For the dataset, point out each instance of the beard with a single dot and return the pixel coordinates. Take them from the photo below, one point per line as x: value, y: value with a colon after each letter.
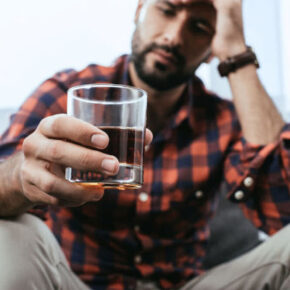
x: 160, y: 77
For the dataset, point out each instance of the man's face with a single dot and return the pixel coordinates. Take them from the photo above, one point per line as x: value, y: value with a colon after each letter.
x: 171, y: 40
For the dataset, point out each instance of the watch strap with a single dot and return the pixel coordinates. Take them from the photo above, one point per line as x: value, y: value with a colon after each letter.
x: 235, y: 62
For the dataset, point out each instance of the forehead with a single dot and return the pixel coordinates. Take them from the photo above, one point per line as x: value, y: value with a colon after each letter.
x: 202, y: 8
x: 189, y: 5
x: 189, y: 2
x: 186, y: 3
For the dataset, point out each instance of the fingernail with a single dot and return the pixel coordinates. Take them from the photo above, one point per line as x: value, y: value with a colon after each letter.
x: 99, y: 140
x: 147, y: 147
x: 109, y: 165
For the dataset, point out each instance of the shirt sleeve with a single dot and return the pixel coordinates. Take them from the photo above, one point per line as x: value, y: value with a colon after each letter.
x: 258, y: 177
x: 48, y: 99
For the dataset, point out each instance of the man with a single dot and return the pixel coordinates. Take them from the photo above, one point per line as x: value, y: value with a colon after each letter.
x: 153, y: 238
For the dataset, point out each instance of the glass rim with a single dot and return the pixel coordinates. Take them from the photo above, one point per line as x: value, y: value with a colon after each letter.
x: 71, y: 90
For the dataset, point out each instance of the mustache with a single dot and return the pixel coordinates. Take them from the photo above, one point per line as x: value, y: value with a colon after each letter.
x: 177, y: 55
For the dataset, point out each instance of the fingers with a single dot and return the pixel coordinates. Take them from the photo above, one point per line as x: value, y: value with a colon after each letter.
x: 36, y: 196
x: 63, y: 141
x: 43, y: 187
x: 49, y: 143
x: 148, y: 137
x: 67, y: 127
x: 69, y: 154
x: 75, y: 130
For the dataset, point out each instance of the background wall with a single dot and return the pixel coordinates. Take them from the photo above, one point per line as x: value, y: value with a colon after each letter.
x: 41, y: 37
x: 284, y: 25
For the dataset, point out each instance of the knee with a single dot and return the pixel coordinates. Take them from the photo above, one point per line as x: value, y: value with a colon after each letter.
x: 16, y: 233
x: 282, y: 236
x: 18, y: 250
x: 280, y: 245
x: 285, y: 238
x: 17, y: 240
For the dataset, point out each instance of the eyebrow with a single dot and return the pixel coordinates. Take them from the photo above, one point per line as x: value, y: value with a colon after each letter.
x: 181, y: 5
x: 169, y: 3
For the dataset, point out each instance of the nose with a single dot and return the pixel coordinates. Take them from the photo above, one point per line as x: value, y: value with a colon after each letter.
x: 174, y: 33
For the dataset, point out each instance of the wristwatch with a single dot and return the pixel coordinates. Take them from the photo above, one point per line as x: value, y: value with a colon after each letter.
x: 235, y: 62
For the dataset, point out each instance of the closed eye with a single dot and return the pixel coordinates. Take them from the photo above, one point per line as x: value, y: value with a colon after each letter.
x: 167, y: 11
x: 201, y: 26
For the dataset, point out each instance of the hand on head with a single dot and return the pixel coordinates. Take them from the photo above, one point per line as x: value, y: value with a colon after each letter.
x: 229, y: 38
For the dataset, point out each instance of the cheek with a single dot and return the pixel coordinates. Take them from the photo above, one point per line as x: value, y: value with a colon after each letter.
x: 149, y: 25
x: 197, y: 54
x: 198, y: 46
x: 149, y: 32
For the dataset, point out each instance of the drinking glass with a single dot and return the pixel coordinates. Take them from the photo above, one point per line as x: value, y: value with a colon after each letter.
x: 120, y: 111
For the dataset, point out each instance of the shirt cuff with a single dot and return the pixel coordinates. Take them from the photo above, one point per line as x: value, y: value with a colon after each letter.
x: 253, y: 157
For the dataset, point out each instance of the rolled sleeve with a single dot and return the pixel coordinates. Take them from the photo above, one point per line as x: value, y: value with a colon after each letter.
x: 258, y: 177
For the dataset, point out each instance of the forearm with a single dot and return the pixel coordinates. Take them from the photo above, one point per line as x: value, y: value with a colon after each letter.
x: 260, y: 120
x: 12, y: 201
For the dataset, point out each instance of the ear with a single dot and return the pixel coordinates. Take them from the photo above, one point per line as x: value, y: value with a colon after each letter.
x: 138, y: 10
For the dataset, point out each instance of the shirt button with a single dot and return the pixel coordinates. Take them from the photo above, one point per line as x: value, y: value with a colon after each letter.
x: 138, y: 259
x: 198, y: 194
x: 143, y: 196
x: 239, y: 195
x: 248, y: 181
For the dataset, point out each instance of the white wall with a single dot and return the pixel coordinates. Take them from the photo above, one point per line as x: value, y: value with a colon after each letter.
x: 285, y: 25
x: 41, y: 37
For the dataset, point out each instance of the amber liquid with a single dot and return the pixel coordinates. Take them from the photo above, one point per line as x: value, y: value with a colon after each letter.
x: 127, y: 145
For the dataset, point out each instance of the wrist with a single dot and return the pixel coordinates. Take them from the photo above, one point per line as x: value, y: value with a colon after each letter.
x: 231, y: 50
x: 238, y: 61
x: 15, y: 168
x: 12, y: 200
x: 14, y: 183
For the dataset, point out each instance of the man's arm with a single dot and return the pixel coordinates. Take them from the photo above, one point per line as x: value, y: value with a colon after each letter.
x: 249, y: 173
x: 35, y: 176
x: 260, y: 120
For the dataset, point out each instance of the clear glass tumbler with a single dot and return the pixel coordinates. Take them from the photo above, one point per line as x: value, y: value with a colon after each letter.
x: 120, y: 111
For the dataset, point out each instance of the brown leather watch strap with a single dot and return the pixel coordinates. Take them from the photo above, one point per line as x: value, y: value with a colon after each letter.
x: 233, y: 63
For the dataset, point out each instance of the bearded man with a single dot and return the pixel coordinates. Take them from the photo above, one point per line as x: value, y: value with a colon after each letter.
x: 58, y: 235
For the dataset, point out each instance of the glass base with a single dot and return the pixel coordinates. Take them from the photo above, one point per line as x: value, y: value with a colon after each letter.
x: 129, y: 177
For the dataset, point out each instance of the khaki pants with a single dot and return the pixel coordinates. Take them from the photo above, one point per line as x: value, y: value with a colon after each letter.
x: 31, y: 259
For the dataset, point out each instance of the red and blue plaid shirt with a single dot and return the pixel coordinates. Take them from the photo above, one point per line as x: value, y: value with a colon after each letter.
x: 160, y: 232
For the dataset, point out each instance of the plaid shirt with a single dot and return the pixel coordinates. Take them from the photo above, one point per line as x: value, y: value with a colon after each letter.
x: 160, y: 232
